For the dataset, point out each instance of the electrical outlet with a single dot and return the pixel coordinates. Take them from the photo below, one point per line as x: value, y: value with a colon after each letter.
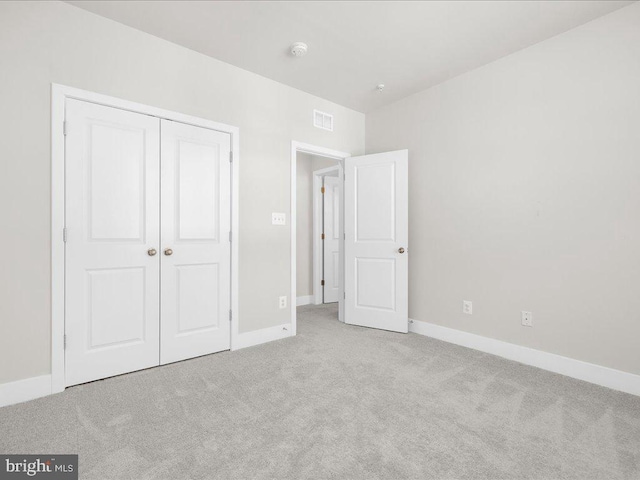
x: 467, y: 307
x: 283, y: 302
x: 278, y: 218
x: 527, y: 319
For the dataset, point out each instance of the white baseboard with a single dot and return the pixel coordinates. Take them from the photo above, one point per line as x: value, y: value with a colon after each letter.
x: 588, y: 372
x: 263, y: 335
x: 306, y: 300
x: 24, y: 390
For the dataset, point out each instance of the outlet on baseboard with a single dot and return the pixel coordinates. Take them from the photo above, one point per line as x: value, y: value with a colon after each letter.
x: 283, y: 302
x: 467, y: 307
x: 527, y: 319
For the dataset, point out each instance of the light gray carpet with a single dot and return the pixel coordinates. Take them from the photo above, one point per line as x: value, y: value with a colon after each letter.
x: 336, y: 402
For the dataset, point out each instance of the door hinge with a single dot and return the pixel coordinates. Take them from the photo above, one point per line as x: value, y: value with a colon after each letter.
x: 322, y: 282
x: 64, y: 127
x: 64, y: 342
x: 322, y: 236
x: 230, y: 157
x: 230, y: 235
x: 230, y: 315
x: 322, y: 190
x: 64, y: 234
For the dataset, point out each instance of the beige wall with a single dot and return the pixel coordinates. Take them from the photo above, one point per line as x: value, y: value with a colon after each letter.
x: 306, y: 165
x: 524, y: 192
x: 47, y: 42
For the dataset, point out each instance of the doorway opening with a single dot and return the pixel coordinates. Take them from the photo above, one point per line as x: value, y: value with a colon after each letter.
x: 325, y: 250
x: 317, y: 231
x: 318, y: 227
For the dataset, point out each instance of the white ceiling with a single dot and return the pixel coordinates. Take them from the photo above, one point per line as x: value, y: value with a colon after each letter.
x: 354, y: 45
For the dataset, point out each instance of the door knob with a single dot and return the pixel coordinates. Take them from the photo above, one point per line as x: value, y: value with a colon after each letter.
x: 168, y: 251
x: 151, y: 252
x: 401, y: 250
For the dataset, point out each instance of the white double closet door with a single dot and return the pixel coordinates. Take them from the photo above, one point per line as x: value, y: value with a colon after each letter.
x: 147, y: 252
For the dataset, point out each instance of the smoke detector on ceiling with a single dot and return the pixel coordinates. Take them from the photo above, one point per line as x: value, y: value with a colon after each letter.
x: 380, y: 87
x: 299, y: 49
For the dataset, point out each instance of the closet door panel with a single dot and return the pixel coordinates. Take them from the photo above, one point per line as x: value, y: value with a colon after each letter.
x: 196, y: 253
x: 112, y: 220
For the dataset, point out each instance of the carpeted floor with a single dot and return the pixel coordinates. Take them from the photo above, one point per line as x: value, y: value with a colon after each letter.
x: 336, y: 402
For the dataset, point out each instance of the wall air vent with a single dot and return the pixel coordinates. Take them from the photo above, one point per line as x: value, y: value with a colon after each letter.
x: 323, y: 120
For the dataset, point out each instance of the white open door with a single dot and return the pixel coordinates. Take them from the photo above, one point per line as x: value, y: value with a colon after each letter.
x: 331, y: 241
x: 376, y: 235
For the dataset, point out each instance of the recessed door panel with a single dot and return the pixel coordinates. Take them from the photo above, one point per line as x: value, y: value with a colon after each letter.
x: 198, y: 174
x: 197, y: 288
x: 335, y: 269
x: 378, y: 295
x: 375, y: 202
x: 196, y: 253
x: 113, y: 323
x: 112, y: 220
x: 116, y: 188
x: 376, y: 233
x: 335, y: 191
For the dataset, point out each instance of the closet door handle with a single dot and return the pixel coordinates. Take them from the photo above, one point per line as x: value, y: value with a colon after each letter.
x: 168, y: 252
x: 151, y: 252
x: 401, y: 250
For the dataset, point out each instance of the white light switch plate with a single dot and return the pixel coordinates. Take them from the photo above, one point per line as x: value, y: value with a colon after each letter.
x: 278, y: 219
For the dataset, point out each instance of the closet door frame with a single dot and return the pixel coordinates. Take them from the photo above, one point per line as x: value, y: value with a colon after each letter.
x: 59, y: 96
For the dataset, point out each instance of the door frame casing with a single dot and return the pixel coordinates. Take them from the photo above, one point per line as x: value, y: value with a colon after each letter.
x: 318, y: 220
x: 322, y: 152
x: 59, y: 95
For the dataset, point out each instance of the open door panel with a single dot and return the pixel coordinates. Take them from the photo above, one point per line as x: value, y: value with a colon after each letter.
x: 376, y: 235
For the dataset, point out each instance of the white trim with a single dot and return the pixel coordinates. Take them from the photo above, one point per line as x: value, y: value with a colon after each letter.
x: 264, y: 335
x: 328, y: 170
x: 306, y: 300
x: 57, y: 242
x: 24, y: 390
x: 235, y: 236
x: 59, y: 94
x: 342, y: 236
x: 588, y: 372
x: 313, y: 150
